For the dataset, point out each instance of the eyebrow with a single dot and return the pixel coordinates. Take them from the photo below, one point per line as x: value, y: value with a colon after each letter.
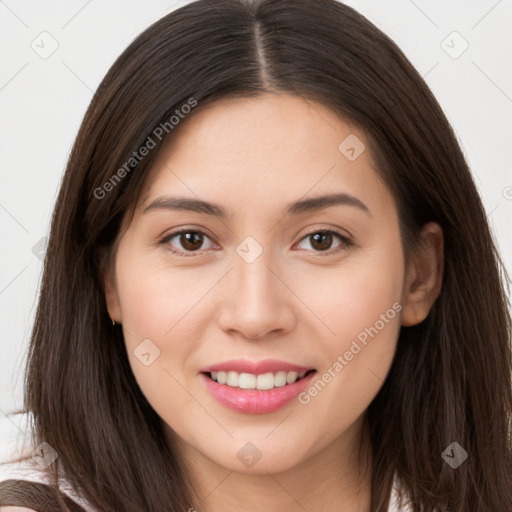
x: 296, y: 208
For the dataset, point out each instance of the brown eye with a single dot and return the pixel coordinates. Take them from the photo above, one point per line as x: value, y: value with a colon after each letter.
x: 186, y: 241
x: 191, y: 240
x: 321, y: 241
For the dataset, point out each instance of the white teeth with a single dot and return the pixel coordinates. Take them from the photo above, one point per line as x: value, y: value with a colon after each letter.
x: 291, y: 377
x: 280, y: 379
x: 265, y: 381
x: 232, y: 379
x: 247, y: 381
x: 262, y: 382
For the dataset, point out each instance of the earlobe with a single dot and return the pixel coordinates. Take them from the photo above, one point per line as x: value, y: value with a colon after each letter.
x: 424, y: 278
x: 111, y: 297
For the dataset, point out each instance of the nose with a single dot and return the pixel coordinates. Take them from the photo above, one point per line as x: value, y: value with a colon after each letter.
x: 256, y: 302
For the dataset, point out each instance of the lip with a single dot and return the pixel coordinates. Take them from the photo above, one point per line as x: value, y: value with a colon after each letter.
x: 255, y: 401
x: 255, y: 367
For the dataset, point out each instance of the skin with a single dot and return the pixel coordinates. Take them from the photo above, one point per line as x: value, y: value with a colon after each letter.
x: 294, y: 303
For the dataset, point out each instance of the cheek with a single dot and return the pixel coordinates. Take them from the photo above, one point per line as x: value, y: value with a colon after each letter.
x: 154, y: 300
x: 366, y: 300
x: 159, y: 309
x: 362, y: 311
x: 354, y: 296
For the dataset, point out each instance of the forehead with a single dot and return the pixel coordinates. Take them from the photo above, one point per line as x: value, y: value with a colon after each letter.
x: 250, y: 152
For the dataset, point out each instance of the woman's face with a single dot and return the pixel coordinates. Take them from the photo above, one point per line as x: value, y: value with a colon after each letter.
x: 282, y: 277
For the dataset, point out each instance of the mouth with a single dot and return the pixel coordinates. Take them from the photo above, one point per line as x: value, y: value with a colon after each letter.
x: 252, y: 393
x: 262, y: 382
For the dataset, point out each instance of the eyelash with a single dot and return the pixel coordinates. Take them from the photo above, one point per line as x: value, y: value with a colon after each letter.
x: 346, y: 242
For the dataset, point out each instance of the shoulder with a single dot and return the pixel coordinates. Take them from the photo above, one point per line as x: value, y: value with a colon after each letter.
x: 16, y: 509
x: 21, y: 462
x: 398, y: 501
x: 15, y: 456
x: 16, y: 459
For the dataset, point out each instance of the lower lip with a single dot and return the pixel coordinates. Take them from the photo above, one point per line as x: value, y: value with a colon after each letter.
x: 255, y: 401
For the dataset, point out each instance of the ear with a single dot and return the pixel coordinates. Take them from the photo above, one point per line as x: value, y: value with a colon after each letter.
x: 424, y: 276
x: 110, y: 291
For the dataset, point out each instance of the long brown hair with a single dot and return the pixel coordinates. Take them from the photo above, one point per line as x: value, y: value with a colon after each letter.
x: 451, y: 377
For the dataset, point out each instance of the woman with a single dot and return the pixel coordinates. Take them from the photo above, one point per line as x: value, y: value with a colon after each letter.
x: 270, y: 282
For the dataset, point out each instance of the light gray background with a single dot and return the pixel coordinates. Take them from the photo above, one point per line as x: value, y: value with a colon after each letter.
x: 43, y: 100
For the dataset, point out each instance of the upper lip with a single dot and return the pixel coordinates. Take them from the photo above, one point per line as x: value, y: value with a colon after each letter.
x: 255, y: 367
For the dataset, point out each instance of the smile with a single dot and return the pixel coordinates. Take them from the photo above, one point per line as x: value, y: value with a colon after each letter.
x: 253, y: 400
x: 262, y: 382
